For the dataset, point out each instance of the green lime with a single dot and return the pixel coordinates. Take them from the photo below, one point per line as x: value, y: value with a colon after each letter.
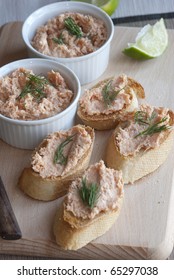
x: 109, y: 6
x: 150, y: 42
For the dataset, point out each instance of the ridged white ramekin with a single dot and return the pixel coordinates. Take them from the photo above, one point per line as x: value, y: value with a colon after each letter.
x: 28, y: 134
x: 88, y: 67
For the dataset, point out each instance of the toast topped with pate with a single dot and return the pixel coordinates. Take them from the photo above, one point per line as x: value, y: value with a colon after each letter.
x: 60, y: 158
x: 90, y: 208
x: 104, y: 105
x: 141, y: 144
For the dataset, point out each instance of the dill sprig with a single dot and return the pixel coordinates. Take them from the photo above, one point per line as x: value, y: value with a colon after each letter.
x: 141, y: 117
x: 72, y: 27
x: 59, y: 40
x: 59, y: 156
x: 89, y: 193
x: 109, y: 94
x: 34, y: 86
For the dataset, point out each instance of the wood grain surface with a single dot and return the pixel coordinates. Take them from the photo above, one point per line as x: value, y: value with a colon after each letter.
x: 145, y: 227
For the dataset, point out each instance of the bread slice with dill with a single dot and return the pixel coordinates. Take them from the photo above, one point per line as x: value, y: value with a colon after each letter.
x: 142, y: 144
x: 102, y: 106
x: 90, y: 208
x: 59, y: 159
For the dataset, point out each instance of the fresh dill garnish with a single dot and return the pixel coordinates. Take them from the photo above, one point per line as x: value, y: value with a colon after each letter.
x: 34, y: 86
x: 89, y: 193
x: 73, y: 27
x: 141, y: 117
x: 109, y: 94
x: 59, y: 40
x: 59, y: 156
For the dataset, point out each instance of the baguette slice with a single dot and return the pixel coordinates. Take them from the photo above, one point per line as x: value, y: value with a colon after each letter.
x: 145, y: 160
x: 109, y: 120
x: 76, y: 224
x: 51, y: 187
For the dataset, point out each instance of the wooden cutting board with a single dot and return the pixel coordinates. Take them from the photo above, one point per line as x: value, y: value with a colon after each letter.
x: 145, y: 227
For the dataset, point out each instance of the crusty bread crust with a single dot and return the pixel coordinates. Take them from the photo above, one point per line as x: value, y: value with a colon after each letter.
x: 46, y: 189
x: 101, y: 122
x: 110, y: 121
x: 144, y: 162
x: 72, y: 238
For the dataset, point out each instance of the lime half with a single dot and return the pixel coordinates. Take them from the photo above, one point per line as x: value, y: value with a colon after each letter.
x: 109, y: 6
x: 150, y: 42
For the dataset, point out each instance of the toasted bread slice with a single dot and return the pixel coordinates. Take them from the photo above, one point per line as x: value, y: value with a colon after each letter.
x: 51, y: 186
x: 152, y: 152
x: 108, y: 119
x: 76, y: 224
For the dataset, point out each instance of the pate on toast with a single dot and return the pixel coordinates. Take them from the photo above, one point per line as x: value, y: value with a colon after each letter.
x: 141, y: 144
x: 60, y: 158
x: 109, y: 101
x: 91, y: 206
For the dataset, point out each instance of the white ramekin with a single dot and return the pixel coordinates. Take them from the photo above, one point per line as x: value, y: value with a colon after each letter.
x: 28, y: 134
x: 88, y: 67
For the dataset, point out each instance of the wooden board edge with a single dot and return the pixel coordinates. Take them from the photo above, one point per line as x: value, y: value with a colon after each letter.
x: 40, y: 249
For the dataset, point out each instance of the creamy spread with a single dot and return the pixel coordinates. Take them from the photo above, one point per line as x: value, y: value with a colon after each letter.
x: 126, y: 137
x: 110, y: 187
x: 26, y: 96
x: 55, y: 39
x: 92, y: 101
x: 43, y: 158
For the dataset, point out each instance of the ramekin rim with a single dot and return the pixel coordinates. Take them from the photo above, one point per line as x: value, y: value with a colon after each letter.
x: 56, y: 116
x: 69, y: 59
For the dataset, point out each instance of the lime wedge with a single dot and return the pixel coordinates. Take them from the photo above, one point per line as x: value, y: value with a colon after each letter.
x: 109, y: 6
x: 150, y: 42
